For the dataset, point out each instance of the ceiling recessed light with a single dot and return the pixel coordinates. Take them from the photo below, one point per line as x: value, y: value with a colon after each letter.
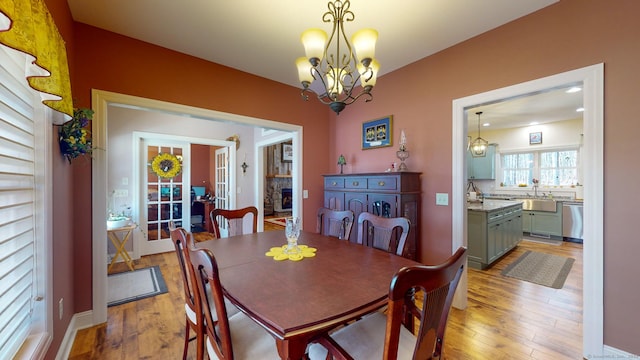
x: 574, y: 90
x: 533, y: 123
x: 486, y: 124
x: 580, y: 109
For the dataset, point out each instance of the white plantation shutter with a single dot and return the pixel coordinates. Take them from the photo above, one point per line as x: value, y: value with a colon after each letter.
x: 22, y: 309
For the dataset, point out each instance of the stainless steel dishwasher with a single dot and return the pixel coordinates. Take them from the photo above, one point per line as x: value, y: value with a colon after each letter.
x: 572, y: 220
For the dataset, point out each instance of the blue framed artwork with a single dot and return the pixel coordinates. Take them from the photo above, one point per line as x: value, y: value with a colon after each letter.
x: 377, y: 133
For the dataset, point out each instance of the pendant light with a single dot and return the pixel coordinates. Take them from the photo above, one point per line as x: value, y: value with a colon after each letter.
x: 479, y: 145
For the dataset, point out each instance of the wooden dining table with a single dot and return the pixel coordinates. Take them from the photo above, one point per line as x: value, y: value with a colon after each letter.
x: 297, y: 300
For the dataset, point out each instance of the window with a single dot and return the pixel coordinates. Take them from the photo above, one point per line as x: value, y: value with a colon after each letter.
x: 25, y: 325
x: 550, y: 167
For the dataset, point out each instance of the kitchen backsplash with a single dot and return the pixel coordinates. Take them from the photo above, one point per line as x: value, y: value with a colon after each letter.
x: 488, y: 189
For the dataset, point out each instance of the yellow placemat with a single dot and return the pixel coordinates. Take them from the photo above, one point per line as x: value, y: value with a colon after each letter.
x: 279, y: 254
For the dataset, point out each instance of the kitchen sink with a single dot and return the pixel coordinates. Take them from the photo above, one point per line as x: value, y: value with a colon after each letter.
x: 539, y: 205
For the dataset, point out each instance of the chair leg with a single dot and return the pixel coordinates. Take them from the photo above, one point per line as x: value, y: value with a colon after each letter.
x: 187, y: 328
x: 200, y: 342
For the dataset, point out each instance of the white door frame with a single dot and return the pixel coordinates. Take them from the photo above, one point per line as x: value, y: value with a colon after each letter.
x: 592, y: 79
x: 101, y: 100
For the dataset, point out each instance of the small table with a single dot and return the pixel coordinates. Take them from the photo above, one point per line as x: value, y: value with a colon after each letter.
x: 119, y: 243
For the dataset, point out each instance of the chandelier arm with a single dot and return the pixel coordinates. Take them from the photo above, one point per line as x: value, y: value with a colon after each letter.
x: 350, y: 100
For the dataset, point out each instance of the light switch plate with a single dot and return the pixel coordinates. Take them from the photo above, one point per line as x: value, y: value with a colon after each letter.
x: 305, y: 194
x: 442, y: 199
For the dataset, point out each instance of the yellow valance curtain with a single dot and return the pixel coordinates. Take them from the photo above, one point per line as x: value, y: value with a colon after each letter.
x: 27, y: 26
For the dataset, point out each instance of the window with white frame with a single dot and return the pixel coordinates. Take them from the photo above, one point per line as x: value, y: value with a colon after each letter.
x: 25, y: 186
x: 557, y: 167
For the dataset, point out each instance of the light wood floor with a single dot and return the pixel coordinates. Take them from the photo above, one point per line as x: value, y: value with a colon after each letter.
x: 505, y: 319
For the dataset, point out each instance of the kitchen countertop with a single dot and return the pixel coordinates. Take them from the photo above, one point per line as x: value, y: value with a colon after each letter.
x: 491, y: 205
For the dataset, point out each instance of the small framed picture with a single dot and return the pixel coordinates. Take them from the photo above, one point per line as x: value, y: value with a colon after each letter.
x: 535, y: 138
x: 377, y: 133
x: 287, y: 152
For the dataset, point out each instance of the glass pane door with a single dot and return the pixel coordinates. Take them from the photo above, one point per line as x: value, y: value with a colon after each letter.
x: 165, y: 193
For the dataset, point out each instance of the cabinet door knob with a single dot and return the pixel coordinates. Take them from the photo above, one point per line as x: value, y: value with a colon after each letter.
x: 381, y: 183
x: 355, y: 183
x: 334, y: 183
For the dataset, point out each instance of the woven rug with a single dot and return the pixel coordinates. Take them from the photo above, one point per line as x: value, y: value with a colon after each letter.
x: 278, y: 221
x: 540, y: 268
x: 134, y: 285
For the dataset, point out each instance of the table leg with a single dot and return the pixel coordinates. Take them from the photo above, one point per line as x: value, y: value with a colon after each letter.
x: 292, y: 349
x: 120, y: 250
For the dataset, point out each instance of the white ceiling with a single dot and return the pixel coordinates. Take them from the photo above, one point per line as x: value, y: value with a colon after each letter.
x: 262, y: 37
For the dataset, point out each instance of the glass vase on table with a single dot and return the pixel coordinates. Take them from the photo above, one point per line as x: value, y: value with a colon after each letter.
x: 292, y: 231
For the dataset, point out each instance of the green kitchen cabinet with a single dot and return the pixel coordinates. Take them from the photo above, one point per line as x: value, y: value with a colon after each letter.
x: 492, y: 233
x: 545, y: 224
x: 482, y: 168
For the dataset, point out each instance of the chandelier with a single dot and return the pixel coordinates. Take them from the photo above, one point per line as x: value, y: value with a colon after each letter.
x: 479, y: 145
x: 334, y: 64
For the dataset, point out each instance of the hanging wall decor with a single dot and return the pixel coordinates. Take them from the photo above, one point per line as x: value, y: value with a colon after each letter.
x: 74, y: 136
x: 166, y: 165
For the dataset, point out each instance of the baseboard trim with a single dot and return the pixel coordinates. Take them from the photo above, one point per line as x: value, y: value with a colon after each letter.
x: 613, y: 353
x: 78, y: 321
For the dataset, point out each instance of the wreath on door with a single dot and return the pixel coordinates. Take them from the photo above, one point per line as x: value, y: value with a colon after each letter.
x: 166, y: 166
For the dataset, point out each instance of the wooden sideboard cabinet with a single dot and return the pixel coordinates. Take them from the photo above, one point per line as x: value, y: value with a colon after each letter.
x: 388, y: 194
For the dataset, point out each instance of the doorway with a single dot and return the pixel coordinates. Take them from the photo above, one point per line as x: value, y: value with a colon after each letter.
x: 592, y: 78
x: 101, y: 101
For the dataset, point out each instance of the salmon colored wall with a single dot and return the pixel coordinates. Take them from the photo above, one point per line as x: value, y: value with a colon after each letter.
x: 568, y: 35
x: 200, y: 166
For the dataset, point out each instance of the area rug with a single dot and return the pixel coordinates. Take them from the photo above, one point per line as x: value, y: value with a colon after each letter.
x: 278, y: 221
x: 134, y: 285
x: 540, y: 268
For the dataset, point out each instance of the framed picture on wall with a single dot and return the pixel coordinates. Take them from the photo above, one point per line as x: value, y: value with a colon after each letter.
x: 287, y: 152
x: 535, y: 138
x: 377, y: 133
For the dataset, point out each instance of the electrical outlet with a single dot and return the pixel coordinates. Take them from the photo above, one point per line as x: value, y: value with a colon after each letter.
x: 61, y: 308
x: 442, y: 199
x: 120, y: 193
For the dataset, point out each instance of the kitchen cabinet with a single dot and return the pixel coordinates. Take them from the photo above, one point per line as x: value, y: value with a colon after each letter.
x: 546, y: 224
x: 389, y: 194
x: 493, y: 230
x: 482, y: 168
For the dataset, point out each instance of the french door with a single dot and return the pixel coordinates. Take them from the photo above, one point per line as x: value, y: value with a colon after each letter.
x: 222, y: 185
x: 167, y: 187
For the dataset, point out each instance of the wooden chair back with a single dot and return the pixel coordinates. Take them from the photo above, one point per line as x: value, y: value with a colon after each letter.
x: 335, y: 223
x: 182, y: 240
x: 438, y: 285
x: 388, y: 234
x: 215, y: 317
x: 232, y: 220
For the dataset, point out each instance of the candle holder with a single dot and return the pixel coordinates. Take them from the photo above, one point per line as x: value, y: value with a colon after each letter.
x: 403, y: 155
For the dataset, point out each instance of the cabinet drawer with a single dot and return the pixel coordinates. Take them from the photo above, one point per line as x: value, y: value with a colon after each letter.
x: 333, y: 183
x: 383, y: 183
x: 355, y: 183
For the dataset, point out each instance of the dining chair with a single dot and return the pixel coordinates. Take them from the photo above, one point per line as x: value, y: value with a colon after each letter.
x: 335, y: 223
x: 182, y: 240
x: 382, y: 233
x: 387, y: 337
x: 236, y: 337
x: 233, y: 220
